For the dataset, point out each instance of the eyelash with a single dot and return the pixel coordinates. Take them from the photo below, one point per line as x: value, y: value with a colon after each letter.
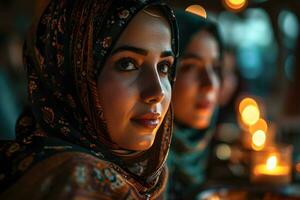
x: 122, y: 65
x: 162, y: 64
x: 217, y: 69
x: 186, y: 68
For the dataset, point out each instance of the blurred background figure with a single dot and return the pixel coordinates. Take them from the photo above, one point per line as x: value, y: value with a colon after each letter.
x: 231, y: 86
x: 195, y: 99
x: 229, y: 78
x: 261, y: 61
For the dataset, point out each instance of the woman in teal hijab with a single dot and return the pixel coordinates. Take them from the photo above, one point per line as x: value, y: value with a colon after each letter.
x: 194, y: 98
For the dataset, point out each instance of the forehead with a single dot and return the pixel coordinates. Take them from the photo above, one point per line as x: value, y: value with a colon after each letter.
x: 204, y: 45
x: 147, y: 32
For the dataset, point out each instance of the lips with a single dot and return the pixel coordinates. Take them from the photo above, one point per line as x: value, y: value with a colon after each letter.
x: 148, y: 120
x: 204, y: 104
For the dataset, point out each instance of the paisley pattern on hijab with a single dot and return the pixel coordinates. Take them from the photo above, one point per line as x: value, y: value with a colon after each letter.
x: 63, y: 56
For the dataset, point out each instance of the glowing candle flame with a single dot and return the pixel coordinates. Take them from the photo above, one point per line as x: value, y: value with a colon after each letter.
x: 271, y: 162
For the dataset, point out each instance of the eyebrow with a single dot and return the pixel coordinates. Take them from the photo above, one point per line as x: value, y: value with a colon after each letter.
x: 167, y: 54
x: 140, y: 51
x: 130, y: 48
x: 191, y: 56
x: 196, y: 57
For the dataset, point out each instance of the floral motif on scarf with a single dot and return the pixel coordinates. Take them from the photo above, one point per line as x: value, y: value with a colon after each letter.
x: 63, y: 56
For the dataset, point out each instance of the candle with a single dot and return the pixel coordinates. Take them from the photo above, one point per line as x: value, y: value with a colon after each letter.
x: 273, y: 166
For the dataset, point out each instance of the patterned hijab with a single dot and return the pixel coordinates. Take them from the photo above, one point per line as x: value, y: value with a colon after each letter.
x: 63, y: 57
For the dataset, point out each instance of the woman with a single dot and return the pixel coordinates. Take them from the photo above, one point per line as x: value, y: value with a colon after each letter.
x: 195, y: 97
x: 99, y: 123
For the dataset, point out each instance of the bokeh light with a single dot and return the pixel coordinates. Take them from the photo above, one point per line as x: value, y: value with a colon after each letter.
x: 288, y: 24
x: 289, y: 67
x: 250, y: 115
x: 223, y: 152
x: 246, y: 102
x: 258, y: 140
x: 235, y: 5
x: 250, y: 60
x: 261, y: 124
x: 197, y: 10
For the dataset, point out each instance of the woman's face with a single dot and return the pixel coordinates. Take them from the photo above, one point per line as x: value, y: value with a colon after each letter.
x: 133, y: 87
x: 197, y: 83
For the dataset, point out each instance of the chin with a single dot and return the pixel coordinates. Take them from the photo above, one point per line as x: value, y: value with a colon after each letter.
x: 201, y: 124
x: 146, y: 143
x: 142, y: 145
x: 139, y: 144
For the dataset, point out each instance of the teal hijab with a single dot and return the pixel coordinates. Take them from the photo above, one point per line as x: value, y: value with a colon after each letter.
x: 189, y: 151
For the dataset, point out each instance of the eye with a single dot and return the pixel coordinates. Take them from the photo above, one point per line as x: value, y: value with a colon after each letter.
x: 186, y: 68
x: 218, y: 70
x: 164, y: 67
x: 126, y: 64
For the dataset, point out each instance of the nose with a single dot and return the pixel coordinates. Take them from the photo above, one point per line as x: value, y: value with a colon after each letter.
x: 206, y: 78
x: 151, y: 88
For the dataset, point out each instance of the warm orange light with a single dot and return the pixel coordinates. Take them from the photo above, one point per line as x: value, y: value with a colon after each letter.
x: 235, y: 5
x: 258, y: 140
x: 197, y: 10
x: 250, y: 115
x: 271, y: 163
x: 261, y: 124
x: 246, y: 102
x: 214, y: 197
x: 272, y: 166
x: 223, y: 151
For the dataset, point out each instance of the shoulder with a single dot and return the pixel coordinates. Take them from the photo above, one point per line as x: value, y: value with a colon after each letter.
x: 71, y: 175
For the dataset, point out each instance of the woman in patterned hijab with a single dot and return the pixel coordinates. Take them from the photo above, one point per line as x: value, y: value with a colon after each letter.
x: 195, y: 103
x: 99, y: 122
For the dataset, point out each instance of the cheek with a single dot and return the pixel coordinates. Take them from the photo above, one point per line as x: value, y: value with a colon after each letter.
x: 217, y: 80
x: 185, y: 88
x: 168, y: 95
x: 216, y: 84
x: 117, y: 98
x: 184, y: 94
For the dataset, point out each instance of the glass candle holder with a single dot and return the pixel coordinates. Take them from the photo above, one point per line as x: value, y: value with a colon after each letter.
x: 273, y: 165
